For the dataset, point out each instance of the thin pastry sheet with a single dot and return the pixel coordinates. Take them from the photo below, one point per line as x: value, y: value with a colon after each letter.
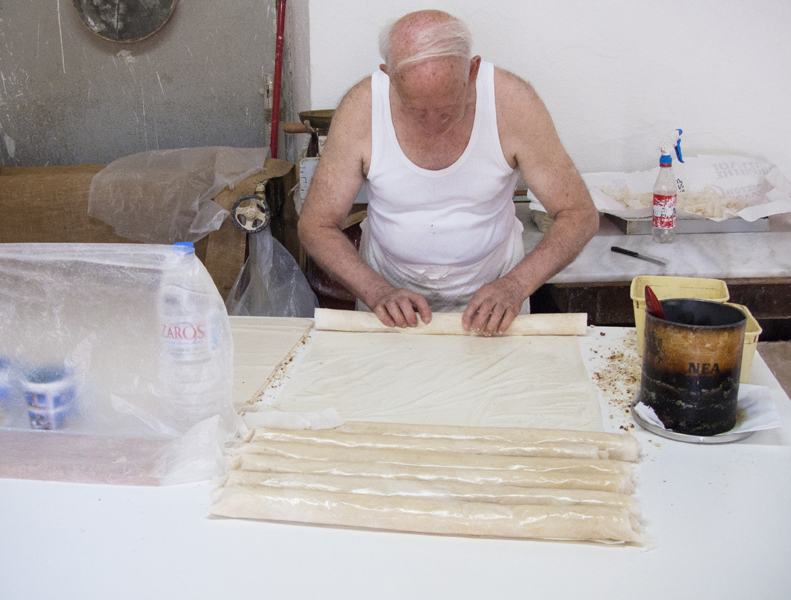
x: 537, y: 382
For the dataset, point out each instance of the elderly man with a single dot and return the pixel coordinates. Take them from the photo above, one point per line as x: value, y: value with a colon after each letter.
x: 437, y: 136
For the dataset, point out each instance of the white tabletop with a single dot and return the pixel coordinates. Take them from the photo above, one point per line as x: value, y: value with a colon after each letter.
x: 710, y: 255
x: 719, y: 516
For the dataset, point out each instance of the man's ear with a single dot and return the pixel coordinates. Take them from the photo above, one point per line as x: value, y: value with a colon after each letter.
x: 475, y: 64
x: 383, y: 69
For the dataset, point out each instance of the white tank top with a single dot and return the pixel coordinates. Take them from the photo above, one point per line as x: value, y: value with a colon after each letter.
x: 441, y: 233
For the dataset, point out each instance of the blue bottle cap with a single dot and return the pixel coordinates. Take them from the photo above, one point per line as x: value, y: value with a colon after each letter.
x: 184, y: 247
x: 666, y: 159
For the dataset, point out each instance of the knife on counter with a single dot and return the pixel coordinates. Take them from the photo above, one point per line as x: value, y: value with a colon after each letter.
x: 656, y: 261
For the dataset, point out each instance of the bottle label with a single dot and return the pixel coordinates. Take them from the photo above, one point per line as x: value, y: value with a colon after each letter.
x: 183, y: 332
x: 664, y: 211
x: 184, y: 337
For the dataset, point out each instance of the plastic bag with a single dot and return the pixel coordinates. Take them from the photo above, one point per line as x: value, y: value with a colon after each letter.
x: 91, y: 343
x: 165, y: 196
x: 733, y: 186
x: 271, y: 283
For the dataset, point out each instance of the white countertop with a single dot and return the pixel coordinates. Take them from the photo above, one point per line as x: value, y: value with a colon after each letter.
x: 712, y: 255
x: 719, y: 515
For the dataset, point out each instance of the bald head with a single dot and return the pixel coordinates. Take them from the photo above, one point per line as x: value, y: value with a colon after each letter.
x: 425, y: 35
x: 427, y: 55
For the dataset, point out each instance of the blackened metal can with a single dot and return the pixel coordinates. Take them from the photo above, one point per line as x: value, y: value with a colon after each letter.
x: 691, y: 365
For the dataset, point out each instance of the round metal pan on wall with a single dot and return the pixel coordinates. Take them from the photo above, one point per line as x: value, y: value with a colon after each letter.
x: 124, y: 20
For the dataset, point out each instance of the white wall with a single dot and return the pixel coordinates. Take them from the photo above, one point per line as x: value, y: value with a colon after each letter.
x: 617, y: 76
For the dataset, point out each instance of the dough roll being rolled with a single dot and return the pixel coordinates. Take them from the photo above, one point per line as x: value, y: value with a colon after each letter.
x: 619, y: 446
x: 574, y: 466
x: 423, y: 515
x: 329, y: 438
x: 453, y: 490
x: 588, y: 480
x: 449, y: 324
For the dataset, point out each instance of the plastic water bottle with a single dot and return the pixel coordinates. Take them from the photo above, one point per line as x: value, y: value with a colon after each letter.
x: 665, y: 192
x: 189, y: 334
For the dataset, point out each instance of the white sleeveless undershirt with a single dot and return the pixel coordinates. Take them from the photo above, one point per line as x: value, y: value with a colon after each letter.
x: 441, y: 233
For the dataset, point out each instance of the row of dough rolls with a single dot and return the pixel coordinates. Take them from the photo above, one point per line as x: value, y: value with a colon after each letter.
x: 441, y: 480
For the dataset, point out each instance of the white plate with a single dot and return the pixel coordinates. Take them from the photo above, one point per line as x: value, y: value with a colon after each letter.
x: 720, y: 438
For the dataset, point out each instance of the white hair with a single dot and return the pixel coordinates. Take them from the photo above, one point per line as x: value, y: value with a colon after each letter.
x: 449, y: 38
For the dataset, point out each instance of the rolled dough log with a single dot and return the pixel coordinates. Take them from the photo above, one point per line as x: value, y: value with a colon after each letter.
x: 590, y: 480
x: 594, y: 523
x: 619, y: 446
x: 460, y: 491
x: 450, y: 323
x: 333, y: 439
x: 439, y: 459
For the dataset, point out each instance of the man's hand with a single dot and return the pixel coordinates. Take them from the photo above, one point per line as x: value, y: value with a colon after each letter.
x: 396, y: 307
x: 493, y: 307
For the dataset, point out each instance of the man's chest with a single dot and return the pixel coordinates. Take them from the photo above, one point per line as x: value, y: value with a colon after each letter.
x: 430, y: 151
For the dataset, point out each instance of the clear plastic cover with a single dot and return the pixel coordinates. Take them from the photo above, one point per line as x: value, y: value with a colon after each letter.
x: 165, y: 196
x: 271, y: 284
x: 113, y: 352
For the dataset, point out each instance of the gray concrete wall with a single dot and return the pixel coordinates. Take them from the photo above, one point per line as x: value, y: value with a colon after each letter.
x: 70, y: 97
x: 296, y: 72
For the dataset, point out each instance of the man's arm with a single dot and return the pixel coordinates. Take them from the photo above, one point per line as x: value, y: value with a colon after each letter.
x: 530, y: 141
x: 335, y: 184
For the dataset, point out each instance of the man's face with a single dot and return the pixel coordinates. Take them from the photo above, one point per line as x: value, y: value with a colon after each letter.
x: 435, y: 93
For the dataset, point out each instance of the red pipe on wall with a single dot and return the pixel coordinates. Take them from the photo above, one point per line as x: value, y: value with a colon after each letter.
x: 281, y: 23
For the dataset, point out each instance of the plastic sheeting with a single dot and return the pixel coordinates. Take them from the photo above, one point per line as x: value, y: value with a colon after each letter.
x: 85, y: 321
x: 271, y: 283
x: 165, y: 196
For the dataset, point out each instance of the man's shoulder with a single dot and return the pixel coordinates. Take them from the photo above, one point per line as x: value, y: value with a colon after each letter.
x: 361, y: 89
x: 509, y: 86
x: 355, y: 106
x: 349, y: 138
x: 522, y: 118
x: 517, y: 103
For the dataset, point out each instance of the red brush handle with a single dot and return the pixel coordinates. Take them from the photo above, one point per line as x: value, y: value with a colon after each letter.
x: 281, y: 24
x: 652, y: 303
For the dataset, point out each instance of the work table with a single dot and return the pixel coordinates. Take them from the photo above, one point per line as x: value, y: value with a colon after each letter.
x: 717, y: 515
x: 756, y: 266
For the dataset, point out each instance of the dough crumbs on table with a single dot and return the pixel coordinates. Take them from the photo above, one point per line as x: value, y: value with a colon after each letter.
x: 617, y: 375
x: 282, y: 372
